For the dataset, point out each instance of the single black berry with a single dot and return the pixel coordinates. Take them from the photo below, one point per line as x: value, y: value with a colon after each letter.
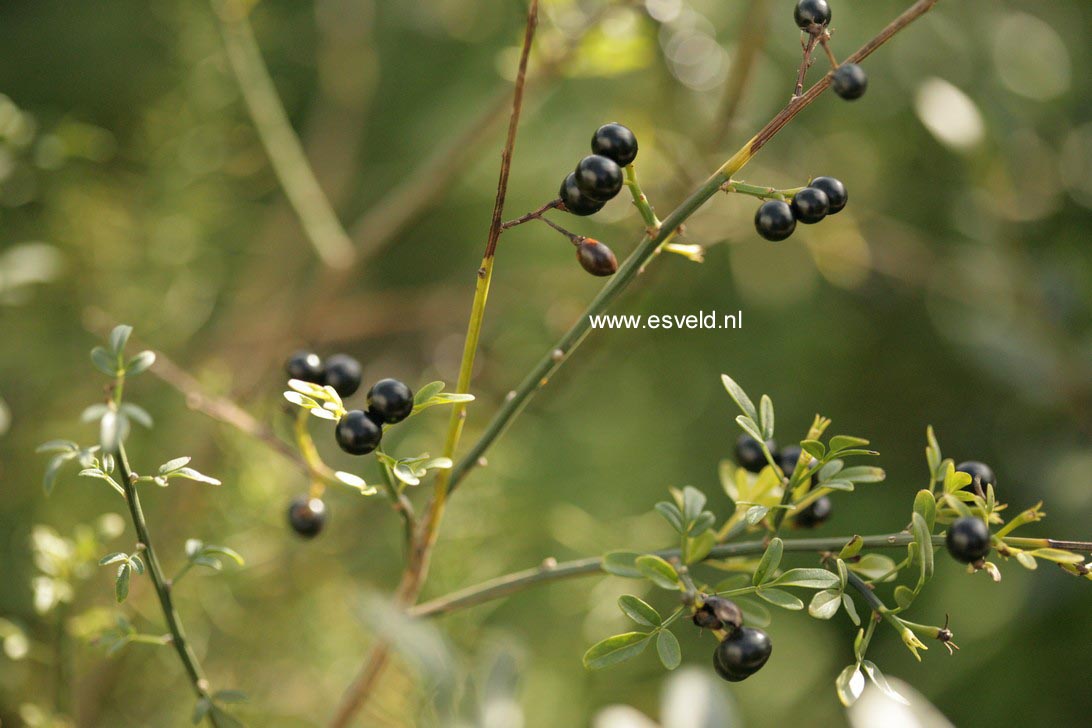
x: 984, y: 473
x: 596, y: 258
x: 718, y: 613
x: 810, y: 205
x: 749, y: 453
x: 598, y: 177
x: 742, y: 654
x: 390, y: 400
x: 811, y: 12
x: 788, y: 457
x: 835, y: 191
x: 815, y: 514
x: 343, y: 374
x: 968, y: 539
x: 306, y: 516
x: 357, y: 433
x: 774, y: 220
x: 850, y: 81
x: 307, y: 366
x: 615, y: 142
x: 576, y: 201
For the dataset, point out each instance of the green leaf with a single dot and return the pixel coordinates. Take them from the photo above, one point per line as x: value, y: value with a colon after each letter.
x: 59, y: 446
x: 622, y: 563
x: 755, y: 613
x: 923, y: 539
x: 672, y: 515
x: 693, y: 503
x: 904, y: 596
x: 852, y: 548
x: 749, y: 426
x: 932, y: 453
x: 53, y: 469
x: 1058, y: 556
x: 104, y: 361
x: 111, y: 431
x: 839, y: 443
x: 639, y: 610
x: 875, y: 566
x: 658, y: 571
x: 766, y: 417
x: 955, y: 480
x: 201, y: 709
x: 427, y: 392
x: 696, y: 548
x: 702, y: 523
x: 140, y: 363
x: 755, y: 514
x: 229, y: 696
x: 880, y: 681
x: 849, y: 685
x: 667, y: 647
x: 224, y: 551
x: 780, y: 598
x: 771, y: 559
x: 825, y: 604
x: 808, y: 578
x: 118, y: 338
x: 113, y: 558
x: 851, y: 609
x: 863, y: 474
x: 925, y: 503
x: 615, y: 649
x: 121, y: 586
x: 172, y: 465
x: 191, y: 474
x: 814, y: 448
x: 138, y: 413
x: 740, y: 397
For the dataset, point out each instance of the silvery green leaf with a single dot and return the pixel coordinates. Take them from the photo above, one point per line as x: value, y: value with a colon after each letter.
x: 615, y: 649
x: 658, y: 571
x: 880, y: 681
x: 755, y: 514
x: 301, y: 400
x: 427, y: 392
x: 849, y: 685
x: 324, y: 414
x: 639, y: 611
x: 702, y: 523
x: 739, y: 397
x: 172, y: 465
x: 138, y: 413
x: 825, y: 604
x: 354, y: 481
x: 53, y: 469
x: 924, y: 542
x: 201, y: 709
x: 622, y: 563
x: 812, y: 578
x: 693, y: 503
x: 780, y: 598
x: 696, y: 548
x: 310, y: 389
x: 60, y: 446
x: 137, y: 563
x: 749, y: 426
x: 104, y: 361
x: 193, y: 546
x: 93, y: 413
x: 118, y: 338
x: 142, y: 362
x: 224, y: 551
x: 668, y: 649
x: 671, y: 514
x: 771, y: 559
x: 404, y: 472
x: 875, y: 566
x: 191, y: 474
x: 113, y: 558
x: 229, y: 696
x: 851, y: 609
x: 837, y: 484
x: 766, y: 418
x: 121, y: 586
x: 110, y: 431
x: 831, y: 469
x: 863, y: 474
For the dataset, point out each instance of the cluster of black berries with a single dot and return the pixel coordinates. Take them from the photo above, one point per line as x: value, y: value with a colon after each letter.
x: 813, y: 16
x: 968, y: 538
x: 743, y: 650
x: 750, y: 457
x: 358, y: 432
x: 776, y: 219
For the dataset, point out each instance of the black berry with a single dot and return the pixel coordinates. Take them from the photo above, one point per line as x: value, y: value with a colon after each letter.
x: 307, y: 366
x: 774, y: 220
x: 574, y: 200
x: 718, y: 613
x: 984, y: 473
x: 968, y: 540
x: 742, y: 654
x: 850, y: 81
x: 811, y: 12
x: 615, y: 142
x: 357, y: 433
x: 306, y: 516
x: 835, y: 191
x: 598, y: 177
x: 596, y: 258
x: 810, y: 205
x: 815, y: 514
x: 788, y: 457
x: 343, y: 374
x: 749, y: 453
x: 390, y: 401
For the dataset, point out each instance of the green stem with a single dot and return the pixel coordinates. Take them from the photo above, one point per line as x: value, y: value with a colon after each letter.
x: 640, y: 201
x: 162, y: 586
x: 763, y: 193
x: 1052, y: 543
x: 866, y: 592
x: 548, y: 572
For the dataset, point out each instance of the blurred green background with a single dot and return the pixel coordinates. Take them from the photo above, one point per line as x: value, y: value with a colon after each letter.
x: 956, y: 290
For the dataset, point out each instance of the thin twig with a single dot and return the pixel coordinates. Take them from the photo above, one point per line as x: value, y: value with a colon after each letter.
x: 533, y: 215
x: 805, y: 64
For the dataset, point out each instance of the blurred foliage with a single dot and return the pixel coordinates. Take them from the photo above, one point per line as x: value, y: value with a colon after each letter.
x: 956, y: 289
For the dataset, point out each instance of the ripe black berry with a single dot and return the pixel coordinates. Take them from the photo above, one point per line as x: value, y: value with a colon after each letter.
x: 749, y: 453
x: 357, y: 434
x: 390, y: 400
x: 307, y: 366
x: 343, y: 374
x: 306, y: 516
x: 814, y: 515
x: 968, y: 539
x: 596, y: 258
x: 576, y: 201
x: 974, y: 468
x: 742, y: 654
x: 811, y: 12
x: 718, y: 613
x: 615, y: 142
x: 774, y: 220
x: 598, y: 177
x: 850, y: 81
x: 810, y: 205
x: 835, y: 191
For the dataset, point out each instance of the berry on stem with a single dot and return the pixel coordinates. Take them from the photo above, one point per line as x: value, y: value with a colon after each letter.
x: 810, y: 13
x: 357, y: 434
x: 742, y: 654
x: 615, y: 142
x: 596, y: 258
x: 774, y: 220
x: 968, y: 540
x: 815, y: 514
x: 598, y: 177
x: 850, y: 81
x: 390, y: 400
x: 749, y: 453
x: 306, y: 516
x: 983, y: 472
x: 576, y: 201
x: 343, y: 374
x: 835, y: 192
x: 306, y: 366
x: 810, y: 205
